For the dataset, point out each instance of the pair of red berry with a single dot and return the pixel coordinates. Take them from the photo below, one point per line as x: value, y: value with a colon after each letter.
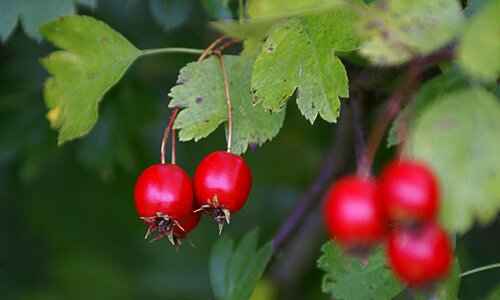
x: 170, y: 203
x: 359, y: 209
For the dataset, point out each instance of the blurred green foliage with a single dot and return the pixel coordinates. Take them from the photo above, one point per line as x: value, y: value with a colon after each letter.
x: 68, y: 226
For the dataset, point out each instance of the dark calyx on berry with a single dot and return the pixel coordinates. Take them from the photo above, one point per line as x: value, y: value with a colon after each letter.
x: 163, y: 198
x: 165, y: 226
x: 216, y: 212
x: 222, y: 183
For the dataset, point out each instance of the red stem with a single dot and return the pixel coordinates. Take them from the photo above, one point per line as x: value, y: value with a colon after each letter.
x: 173, y: 146
x: 165, y: 137
x: 228, y: 101
x: 395, y: 102
x: 176, y: 110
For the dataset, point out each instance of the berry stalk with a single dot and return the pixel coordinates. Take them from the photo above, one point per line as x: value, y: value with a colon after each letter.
x: 176, y: 110
x: 228, y: 100
x: 165, y: 137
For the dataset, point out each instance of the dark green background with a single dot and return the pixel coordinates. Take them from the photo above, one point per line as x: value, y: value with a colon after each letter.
x: 68, y: 226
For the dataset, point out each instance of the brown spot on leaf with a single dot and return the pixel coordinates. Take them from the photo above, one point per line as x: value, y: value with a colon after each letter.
x: 104, y: 41
x: 270, y: 48
x: 253, y: 145
x: 199, y: 100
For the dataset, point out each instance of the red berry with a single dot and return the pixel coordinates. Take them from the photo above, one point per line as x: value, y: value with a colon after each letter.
x: 352, y: 214
x: 420, y: 256
x: 163, y: 197
x: 409, y: 191
x: 188, y: 223
x: 222, y: 183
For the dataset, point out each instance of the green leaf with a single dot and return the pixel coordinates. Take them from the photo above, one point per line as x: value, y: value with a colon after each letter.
x: 299, y: 57
x: 479, y: 47
x: 200, y: 91
x: 347, y: 277
x: 495, y: 294
x: 458, y: 136
x: 253, y: 28
x: 234, y: 274
x: 94, y: 58
x: 219, y: 265
x: 266, y: 8
x: 430, y: 91
x: 170, y: 13
x: 448, y: 289
x: 32, y: 14
x: 267, y: 14
x: 397, y: 30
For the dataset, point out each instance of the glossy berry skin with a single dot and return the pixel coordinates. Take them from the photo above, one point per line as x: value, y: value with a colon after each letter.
x: 163, y: 189
x: 225, y: 176
x: 420, y: 256
x: 409, y: 191
x: 352, y: 214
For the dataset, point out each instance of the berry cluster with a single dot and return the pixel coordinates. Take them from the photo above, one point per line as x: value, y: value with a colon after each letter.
x: 401, y: 206
x: 170, y: 203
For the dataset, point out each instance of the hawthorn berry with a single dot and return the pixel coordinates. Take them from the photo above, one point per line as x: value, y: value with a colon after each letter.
x: 222, y: 182
x: 187, y: 224
x: 409, y: 191
x: 163, y: 197
x: 352, y: 214
x: 420, y: 255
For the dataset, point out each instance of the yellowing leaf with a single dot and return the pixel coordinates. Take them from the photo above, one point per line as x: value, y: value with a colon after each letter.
x: 397, y: 30
x: 458, y: 136
x: 480, y: 45
x: 94, y: 58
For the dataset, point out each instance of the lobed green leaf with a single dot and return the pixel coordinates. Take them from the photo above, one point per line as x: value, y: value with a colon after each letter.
x: 234, y: 273
x: 94, y: 58
x: 299, y: 57
x: 200, y: 91
x: 348, y: 277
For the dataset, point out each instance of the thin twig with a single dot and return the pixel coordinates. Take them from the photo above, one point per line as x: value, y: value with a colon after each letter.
x: 333, y: 164
x: 228, y: 44
x: 395, y: 102
x: 228, y: 101
x: 170, y: 50
x: 173, y: 146
x: 211, y: 46
x: 391, y: 109
x: 176, y: 110
x: 359, y: 127
x: 480, y: 269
